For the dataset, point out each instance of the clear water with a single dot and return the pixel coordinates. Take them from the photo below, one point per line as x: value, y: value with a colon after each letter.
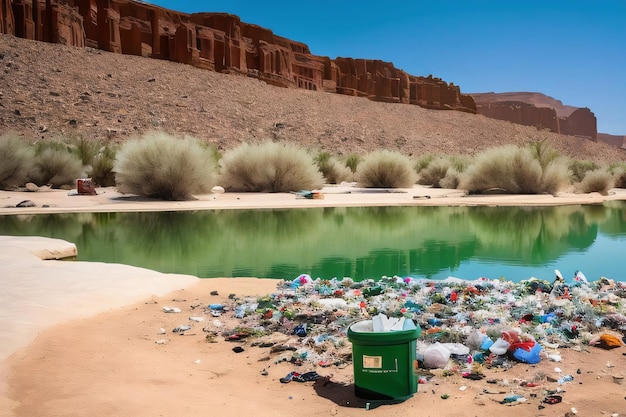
x: 515, y: 243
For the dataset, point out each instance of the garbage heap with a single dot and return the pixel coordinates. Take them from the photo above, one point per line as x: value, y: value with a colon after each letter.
x: 487, y: 322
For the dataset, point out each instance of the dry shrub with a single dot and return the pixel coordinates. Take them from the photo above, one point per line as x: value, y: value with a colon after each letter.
x: 16, y: 159
x: 596, y: 181
x: 269, y: 167
x: 102, y: 167
x: 434, y: 172
x: 556, y: 176
x: 386, y: 169
x: 619, y: 179
x: 162, y: 166
x: 333, y: 171
x: 55, y: 165
x: 579, y: 169
x: 509, y: 168
x: 352, y: 161
x: 451, y: 180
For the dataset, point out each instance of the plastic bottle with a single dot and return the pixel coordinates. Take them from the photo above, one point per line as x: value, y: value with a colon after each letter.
x: 565, y: 378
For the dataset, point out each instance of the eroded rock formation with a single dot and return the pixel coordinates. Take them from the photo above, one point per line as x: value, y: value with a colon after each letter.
x: 536, y: 109
x: 220, y: 42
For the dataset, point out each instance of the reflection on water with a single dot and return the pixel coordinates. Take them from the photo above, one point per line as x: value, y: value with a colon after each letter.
x: 433, y: 242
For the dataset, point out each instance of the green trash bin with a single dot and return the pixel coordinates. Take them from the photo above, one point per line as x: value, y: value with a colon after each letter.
x: 384, y: 362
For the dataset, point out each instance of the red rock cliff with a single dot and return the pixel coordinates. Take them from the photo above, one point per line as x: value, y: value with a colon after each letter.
x: 536, y: 109
x: 219, y: 42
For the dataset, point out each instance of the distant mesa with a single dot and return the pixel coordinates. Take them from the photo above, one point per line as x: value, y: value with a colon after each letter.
x: 220, y: 42
x: 536, y: 109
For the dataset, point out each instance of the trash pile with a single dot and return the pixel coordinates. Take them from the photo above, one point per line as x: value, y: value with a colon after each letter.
x: 491, y: 323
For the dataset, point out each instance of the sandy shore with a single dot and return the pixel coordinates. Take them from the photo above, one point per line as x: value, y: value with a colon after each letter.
x: 81, y: 338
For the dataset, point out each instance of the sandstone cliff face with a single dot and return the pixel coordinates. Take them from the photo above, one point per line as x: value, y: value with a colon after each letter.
x: 539, y: 110
x: 220, y: 42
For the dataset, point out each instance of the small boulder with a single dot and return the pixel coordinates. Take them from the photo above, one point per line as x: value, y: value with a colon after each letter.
x: 26, y: 203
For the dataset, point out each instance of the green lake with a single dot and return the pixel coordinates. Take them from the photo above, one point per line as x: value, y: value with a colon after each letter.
x: 424, y: 242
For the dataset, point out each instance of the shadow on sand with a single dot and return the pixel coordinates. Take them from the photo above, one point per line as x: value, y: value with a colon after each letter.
x: 343, y: 395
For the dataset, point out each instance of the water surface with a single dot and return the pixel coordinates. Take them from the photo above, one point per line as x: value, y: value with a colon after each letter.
x: 428, y: 242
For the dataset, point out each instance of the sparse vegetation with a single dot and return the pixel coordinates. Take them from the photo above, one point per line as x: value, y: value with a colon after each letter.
x: 102, y: 167
x: 510, y: 169
x: 619, y: 177
x: 598, y: 181
x: 579, y: 169
x: 555, y: 176
x: 269, y: 167
x: 434, y: 172
x: 352, y: 162
x: 386, y: 169
x: 543, y: 153
x: 161, y: 166
x: 332, y: 169
x: 55, y: 165
x: 16, y: 158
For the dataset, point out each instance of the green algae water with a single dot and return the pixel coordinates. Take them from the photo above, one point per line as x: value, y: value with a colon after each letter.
x: 513, y: 243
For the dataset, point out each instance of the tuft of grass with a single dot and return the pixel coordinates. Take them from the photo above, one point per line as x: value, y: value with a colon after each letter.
x: 352, y: 162
x: 269, y: 167
x: 596, y: 181
x: 619, y: 178
x: 423, y: 162
x: 386, y: 169
x: 102, y: 164
x: 55, y: 164
x: 579, y: 169
x: 509, y: 168
x: 434, y: 172
x: 451, y: 180
x: 543, y: 153
x: 16, y: 159
x: 161, y: 166
x: 333, y: 170
x: 556, y: 176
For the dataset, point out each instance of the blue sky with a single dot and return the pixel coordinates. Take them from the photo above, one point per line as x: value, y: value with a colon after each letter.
x: 573, y: 51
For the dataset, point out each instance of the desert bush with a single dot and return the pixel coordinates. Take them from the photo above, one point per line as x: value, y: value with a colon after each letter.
x: 101, y: 167
x: 555, y: 176
x: 332, y: 169
x: 161, y: 166
x: 352, y: 161
x: 269, y: 167
x: 543, y: 153
x: 386, y: 169
x: 422, y: 162
x: 434, y: 172
x: 16, y: 159
x: 619, y: 177
x: 508, y: 168
x: 597, y: 180
x: 86, y: 150
x: 451, y: 180
x: 55, y: 164
x: 579, y: 169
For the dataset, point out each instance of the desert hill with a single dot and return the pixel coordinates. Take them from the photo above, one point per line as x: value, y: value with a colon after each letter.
x: 50, y: 90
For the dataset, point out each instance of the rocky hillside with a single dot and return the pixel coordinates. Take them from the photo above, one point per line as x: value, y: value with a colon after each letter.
x: 50, y: 90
